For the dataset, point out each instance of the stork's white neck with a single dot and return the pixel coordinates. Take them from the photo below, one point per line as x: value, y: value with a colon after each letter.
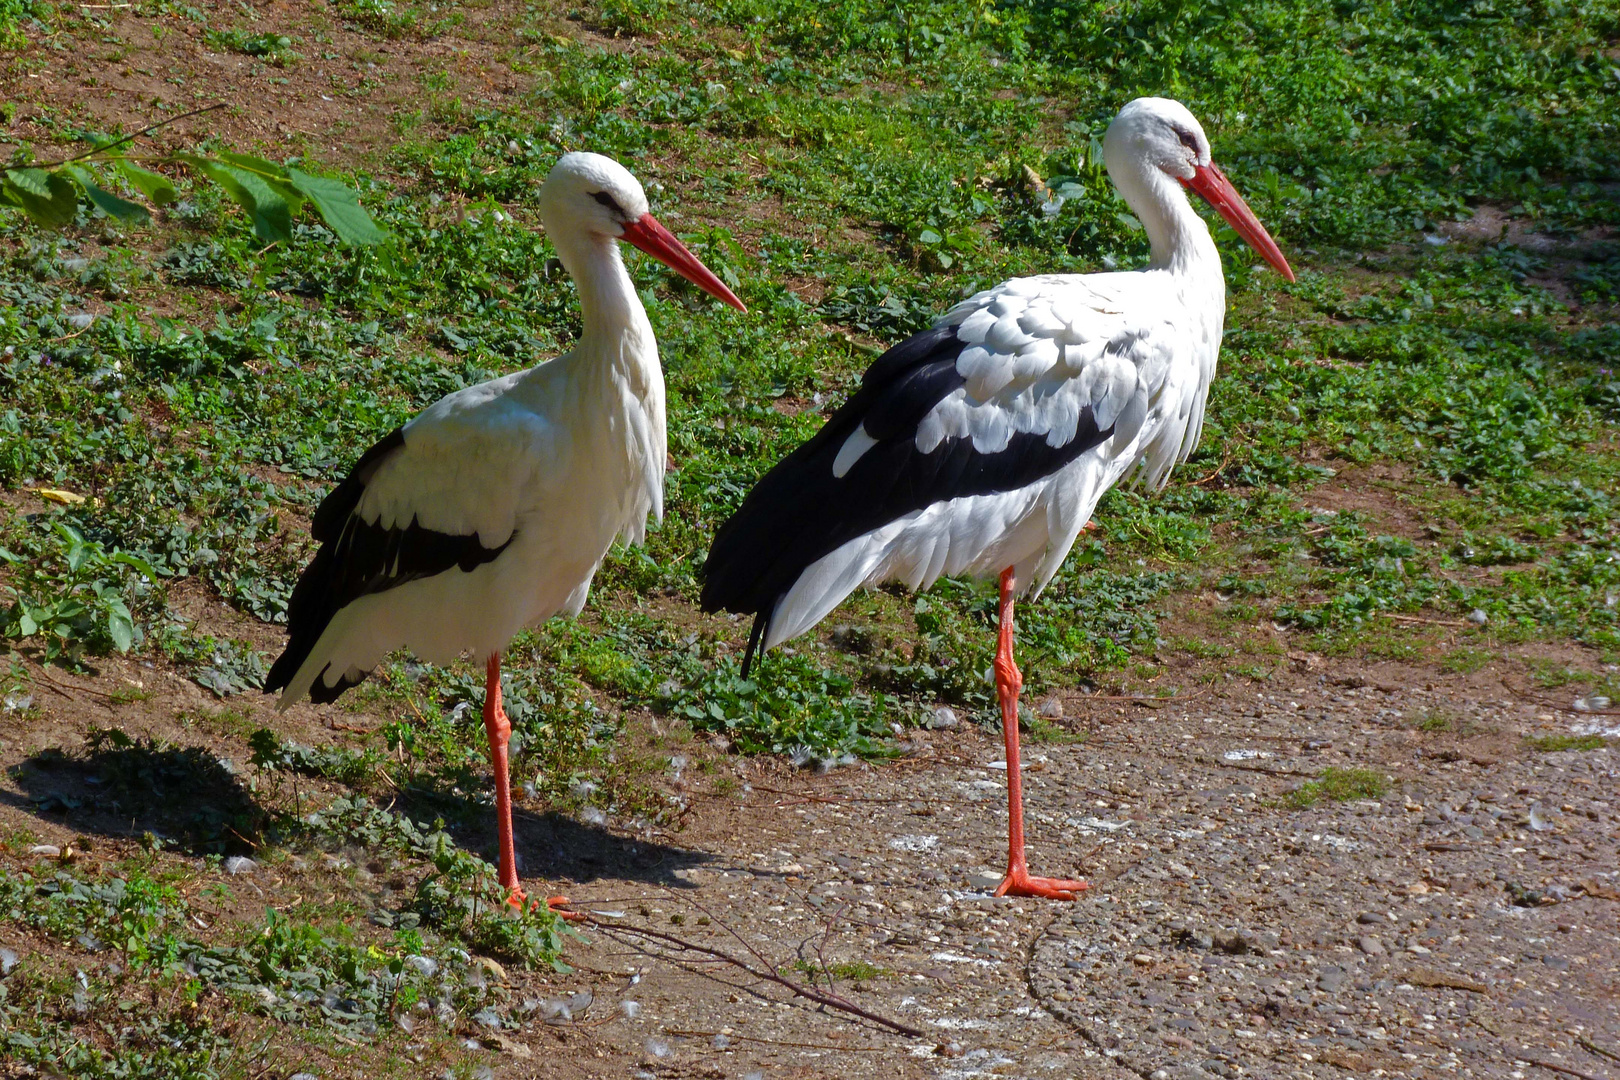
x: 1180, y: 239
x: 607, y: 297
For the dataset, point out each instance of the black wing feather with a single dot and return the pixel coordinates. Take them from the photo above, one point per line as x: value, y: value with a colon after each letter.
x: 800, y: 512
x: 356, y: 559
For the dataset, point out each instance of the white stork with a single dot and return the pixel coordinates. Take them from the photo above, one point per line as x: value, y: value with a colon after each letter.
x: 981, y: 446
x: 492, y: 509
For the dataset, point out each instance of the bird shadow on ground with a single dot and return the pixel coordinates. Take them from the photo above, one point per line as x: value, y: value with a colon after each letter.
x: 186, y: 798
x: 119, y: 787
x: 554, y: 846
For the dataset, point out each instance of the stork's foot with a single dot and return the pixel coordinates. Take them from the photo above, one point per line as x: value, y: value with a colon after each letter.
x: 1019, y: 883
x: 558, y: 906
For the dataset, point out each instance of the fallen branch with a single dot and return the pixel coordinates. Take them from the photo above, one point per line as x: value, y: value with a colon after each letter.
x: 1419, y: 619
x: 832, y: 1001
x: 1596, y: 1049
x: 1565, y: 1069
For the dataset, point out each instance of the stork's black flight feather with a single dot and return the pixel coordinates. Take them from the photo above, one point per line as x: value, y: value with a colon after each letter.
x: 356, y: 559
x: 800, y: 512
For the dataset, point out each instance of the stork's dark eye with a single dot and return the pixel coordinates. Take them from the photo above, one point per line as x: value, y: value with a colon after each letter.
x: 608, y: 201
x: 1188, y: 139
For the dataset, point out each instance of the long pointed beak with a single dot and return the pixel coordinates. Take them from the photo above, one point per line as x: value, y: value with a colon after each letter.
x: 1212, y: 184
x: 661, y: 244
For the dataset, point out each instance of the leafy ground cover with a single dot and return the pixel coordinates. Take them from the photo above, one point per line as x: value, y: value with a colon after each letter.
x: 1410, y: 455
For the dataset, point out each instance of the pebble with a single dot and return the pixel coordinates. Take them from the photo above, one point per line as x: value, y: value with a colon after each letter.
x: 1330, y: 978
x: 240, y: 864
x: 1370, y: 945
x: 48, y: 851
x: 1369, y: 918
x: 943, y: 719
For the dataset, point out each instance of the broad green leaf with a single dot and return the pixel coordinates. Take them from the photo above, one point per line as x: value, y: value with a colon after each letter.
x: 268, y: 171
x: 120, y: 208
x: 253, y: 164
x: 272, y: 216
x: 339, y: 205
x: 138, y: 563
x: 33, y: 181
x: 152, y: 185
x: 122, y: 629
x: 50, y: 199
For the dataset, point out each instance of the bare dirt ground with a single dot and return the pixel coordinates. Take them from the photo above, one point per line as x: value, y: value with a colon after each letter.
x: 1463, y: 923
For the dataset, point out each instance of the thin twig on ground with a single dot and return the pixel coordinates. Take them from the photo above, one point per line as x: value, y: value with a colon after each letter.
x: 1565, y: 1069
x: 1397, y: 617
x: 831, y: 1001
x: 133, y: 136
x: 1596, y: 1049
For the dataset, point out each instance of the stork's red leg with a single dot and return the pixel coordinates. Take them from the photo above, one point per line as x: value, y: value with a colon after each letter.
x: 499, y: 729
x: 1008, y: 683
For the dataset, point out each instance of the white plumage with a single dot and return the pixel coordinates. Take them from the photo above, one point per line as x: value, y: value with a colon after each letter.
x: 983, y: 445
x: 493, y: 508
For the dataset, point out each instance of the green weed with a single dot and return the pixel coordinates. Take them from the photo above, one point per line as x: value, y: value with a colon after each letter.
x: 1339, y: 785
x: 1547, y: 744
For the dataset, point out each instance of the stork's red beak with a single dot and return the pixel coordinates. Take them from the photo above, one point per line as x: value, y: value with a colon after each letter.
x: 661, y: 244
x: 1212, y: 184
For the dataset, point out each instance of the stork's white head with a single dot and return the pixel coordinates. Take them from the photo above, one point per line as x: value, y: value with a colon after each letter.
x: 1158, y: 132
x: 593, y: 194
x: 1153, y: 138
x: 590, y: 197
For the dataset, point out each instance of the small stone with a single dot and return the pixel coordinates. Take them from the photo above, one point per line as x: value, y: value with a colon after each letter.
x: 1478, y: 617
x: 510, y: 1047
x: 47, y: 851
x: 240, y: 864
x: 1330, y: 978
x: 984, y: 881
x: 1370, y: 945
x: 303, y: 1076
x: 943, y: 719
x: 1051, y: 708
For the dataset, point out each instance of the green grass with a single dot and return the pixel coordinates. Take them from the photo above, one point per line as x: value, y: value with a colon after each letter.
x: 1547, y: 744
x: 1339, y: 785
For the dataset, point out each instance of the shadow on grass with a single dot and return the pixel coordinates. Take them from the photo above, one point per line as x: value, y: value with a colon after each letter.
x: 554, y: 846
x: 184, y: 797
